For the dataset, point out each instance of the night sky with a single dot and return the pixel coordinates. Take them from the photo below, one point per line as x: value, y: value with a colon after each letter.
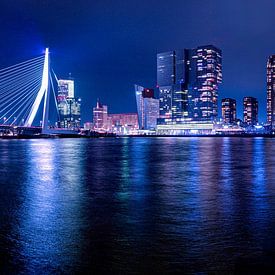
x: 108, y: 46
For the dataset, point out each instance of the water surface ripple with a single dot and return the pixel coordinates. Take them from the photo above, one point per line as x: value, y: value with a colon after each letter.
x: 136, y: 205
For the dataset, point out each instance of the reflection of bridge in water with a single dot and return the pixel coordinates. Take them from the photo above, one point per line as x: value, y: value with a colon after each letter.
x: 24, y: 87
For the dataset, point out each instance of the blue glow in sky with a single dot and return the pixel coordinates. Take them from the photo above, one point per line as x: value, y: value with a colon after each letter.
x: 108, y: 46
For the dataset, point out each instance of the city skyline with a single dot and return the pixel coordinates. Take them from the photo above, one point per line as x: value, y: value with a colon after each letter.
x: 137, y: 137
x: 81, y: 38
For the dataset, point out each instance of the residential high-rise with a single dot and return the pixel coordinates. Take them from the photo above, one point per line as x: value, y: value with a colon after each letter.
x: 100, y: 117
x: 147, y: 107
x: 250, y: 110
x: 188, y: 84
x: 229, y: 110
x: 69, y: 107
x: 271, y: 90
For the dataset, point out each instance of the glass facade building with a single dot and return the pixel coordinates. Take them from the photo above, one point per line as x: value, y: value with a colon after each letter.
x: 271, y: 90
x: 66, y: 87
x: 147, y: 108
x: 69, y: 107
x: 229, y: 110
x: 188, y: 83
x: 250, y: 110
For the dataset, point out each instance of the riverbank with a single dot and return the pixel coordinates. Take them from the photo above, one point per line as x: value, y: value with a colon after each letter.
x: 43, y: 136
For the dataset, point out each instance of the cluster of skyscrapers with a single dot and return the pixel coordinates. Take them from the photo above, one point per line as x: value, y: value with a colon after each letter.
x: 188, y: 84
x: 185, y: 100
x: 188, y: 81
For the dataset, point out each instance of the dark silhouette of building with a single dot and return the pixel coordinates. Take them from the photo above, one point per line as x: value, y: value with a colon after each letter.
x: 229, y: 110
x: 250, y: 110
x: 69, y: 106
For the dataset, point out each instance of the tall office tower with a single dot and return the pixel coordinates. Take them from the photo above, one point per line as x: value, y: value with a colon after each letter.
x: 171, y: 74
x: 188, y: 84
x: 100, y: 117
x: 250, y: 110
x: 151, y: 110
x: 271, y: 90
x: 69, y: 107
x: 66, y: 87
x: 166, y: 80
x: 147, y: 107
x: 229, y: 110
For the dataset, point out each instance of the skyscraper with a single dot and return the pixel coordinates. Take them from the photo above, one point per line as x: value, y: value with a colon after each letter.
x: 100, y: 117
x: 172, y: 68
x: 250, y: 110
x: 147, y: 107
x: 69, y: 107
x: 271, y: 90
x: 66, y: 87
x: 188, y: 84
x: 229, y: 110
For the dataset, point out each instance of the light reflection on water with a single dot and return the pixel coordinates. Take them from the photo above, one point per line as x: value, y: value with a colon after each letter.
x: 144, y: 204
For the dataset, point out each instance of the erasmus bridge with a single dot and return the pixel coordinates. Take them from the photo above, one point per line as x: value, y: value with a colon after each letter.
x: 25, y: 87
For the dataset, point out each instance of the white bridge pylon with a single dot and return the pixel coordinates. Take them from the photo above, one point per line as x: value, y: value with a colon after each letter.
x: 43, y: 92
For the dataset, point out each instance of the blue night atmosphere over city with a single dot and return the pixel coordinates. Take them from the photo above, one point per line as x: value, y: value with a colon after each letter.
x: 136, y: 137
x: 109, y: 45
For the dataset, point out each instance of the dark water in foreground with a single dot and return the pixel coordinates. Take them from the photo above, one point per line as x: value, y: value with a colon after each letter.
x: 137, y: 205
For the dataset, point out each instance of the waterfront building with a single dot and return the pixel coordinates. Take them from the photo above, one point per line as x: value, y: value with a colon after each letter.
x: 88, y: 126
x: 229, y: 110
x: 147, y: 108
x: 100, y: 117
x: 188, y: 83
x: 123, y: 123
x: 271, y: 90
x: 69, y: 106
x: 190, y: 128
x: 250, y: 110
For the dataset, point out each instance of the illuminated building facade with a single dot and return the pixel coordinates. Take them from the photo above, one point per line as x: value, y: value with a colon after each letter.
x: 166, y: 79
x: 229, y: 110
x: 66, y: 87
x: 271, y: 91
x: 88, y: 126
x: 69, y: 107
x: 188, y: 84
x: 147, y: 108
x: 250, y: 110
x: 100, y: 117
x: 123, y: 123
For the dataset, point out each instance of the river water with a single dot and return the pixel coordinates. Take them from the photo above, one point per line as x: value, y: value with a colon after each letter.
x: 137, y: 205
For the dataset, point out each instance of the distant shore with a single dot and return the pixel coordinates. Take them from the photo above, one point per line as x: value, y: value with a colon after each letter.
x: 135, y: 136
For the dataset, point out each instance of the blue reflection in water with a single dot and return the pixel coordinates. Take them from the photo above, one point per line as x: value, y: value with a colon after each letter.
x: 50, y: 212
x: 135, y: 205
x: 259, y: 178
